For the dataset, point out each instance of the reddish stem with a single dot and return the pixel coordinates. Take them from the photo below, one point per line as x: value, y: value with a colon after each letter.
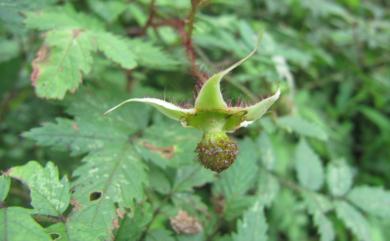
x: 185, y: 34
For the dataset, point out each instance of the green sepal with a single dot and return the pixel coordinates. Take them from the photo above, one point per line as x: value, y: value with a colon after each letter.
x: 170, y: 110
x: 256, y: 111
x: 210, y: 96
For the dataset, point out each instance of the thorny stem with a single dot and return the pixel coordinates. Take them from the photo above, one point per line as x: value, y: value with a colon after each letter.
x: 189, y: 44
x: 183, y: 27
x: 191, y: 17
x: 152, y: 13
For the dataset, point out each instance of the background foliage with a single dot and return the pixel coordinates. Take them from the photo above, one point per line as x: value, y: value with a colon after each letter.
x: 315, y: 168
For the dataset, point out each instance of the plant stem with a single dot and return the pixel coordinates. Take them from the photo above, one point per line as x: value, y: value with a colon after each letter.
x: 187, y: 40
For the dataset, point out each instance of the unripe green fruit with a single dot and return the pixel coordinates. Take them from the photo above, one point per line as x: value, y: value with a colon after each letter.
x: 216, y: 151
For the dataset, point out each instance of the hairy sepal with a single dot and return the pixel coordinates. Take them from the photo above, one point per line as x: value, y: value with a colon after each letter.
x: 210, y: 96
x: 256, y: 111
x: 170, y: 110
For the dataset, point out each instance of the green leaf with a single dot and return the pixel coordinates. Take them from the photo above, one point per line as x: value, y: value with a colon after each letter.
x: 66, y: 55
x: 150, y: 56
x: 166, y: 144
x: 317, y: 205
x: 302, y: 127
x: 188, y: 177
x: 170, y: 110
x: 252, y: 226
x: 210, y: 96
x: 12, y: 12
x: 8, y: 49
x: 60, y: 18
x: 108, y: 10
x: 240, y: 177
x: 89, y: 105
x: 92, y: 222
x: 132, y: 226
x: 5, y: 184
x: 374, y: 200
x: 324, y: 226
x: 376, y: 117
x: 49, y: 20
x: 159, y: 180
x: 159, y: 235
x: 115, y: 48
x: 90, y: 130
x: 308, y: 167
x: 289, y: 216
x: 49, y: 194
x: 235, y: 206
x: 316, y: 202
x: 266, y: 150
x: 339, y: 177
x: 267, y: 189
x: 70, y: 231
x: 59, y: 65
x: 354, y: 220
x: 121, y: 175
x: 16, y: 224
x: 78, y: 136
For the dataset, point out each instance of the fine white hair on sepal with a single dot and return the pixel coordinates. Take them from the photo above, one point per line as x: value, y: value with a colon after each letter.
x: 245, y: 123
x: 155, y: 101
x: 172, y: 111
x: 163, y: 103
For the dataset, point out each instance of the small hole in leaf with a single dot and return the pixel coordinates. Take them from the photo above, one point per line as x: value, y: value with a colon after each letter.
x: 95, y: 196
x: 55, y: 236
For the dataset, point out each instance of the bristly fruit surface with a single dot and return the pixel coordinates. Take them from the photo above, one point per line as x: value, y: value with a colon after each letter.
x: 217, y: 152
